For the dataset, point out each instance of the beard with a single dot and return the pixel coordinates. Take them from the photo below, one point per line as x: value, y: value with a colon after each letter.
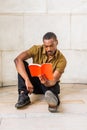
x: 50, y: 53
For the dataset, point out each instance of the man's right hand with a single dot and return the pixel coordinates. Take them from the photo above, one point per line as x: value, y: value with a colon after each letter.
x: 29, y: 86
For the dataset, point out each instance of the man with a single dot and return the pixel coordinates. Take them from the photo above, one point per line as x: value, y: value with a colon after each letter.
x: 45, y: 53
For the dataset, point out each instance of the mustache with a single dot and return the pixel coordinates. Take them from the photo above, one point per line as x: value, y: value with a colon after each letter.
x: 49, y: 51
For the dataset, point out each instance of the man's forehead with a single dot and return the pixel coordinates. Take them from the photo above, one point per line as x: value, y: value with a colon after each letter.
x: 49, y: 41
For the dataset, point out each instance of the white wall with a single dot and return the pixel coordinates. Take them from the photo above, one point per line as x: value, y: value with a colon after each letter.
x: 24, y: 22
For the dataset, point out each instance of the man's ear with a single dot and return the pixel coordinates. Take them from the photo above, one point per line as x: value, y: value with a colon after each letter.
x: 56, y: 42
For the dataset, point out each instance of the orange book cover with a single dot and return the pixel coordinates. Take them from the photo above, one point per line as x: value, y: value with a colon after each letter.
x: 44, y: 69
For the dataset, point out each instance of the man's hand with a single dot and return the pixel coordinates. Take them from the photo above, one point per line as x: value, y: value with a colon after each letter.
x: 43, y: 79
x: 46, y: 82
x: 29, y: 86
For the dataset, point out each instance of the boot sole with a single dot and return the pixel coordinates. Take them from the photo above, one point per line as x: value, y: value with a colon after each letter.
x: 51, y: 98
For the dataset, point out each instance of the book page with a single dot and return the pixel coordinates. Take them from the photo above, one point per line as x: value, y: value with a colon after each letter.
x: 35, y: 69
x: 47, y: 70
x: 44, y: 69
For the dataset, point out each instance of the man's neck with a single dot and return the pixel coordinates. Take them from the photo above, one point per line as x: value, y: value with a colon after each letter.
x: 49, y: 58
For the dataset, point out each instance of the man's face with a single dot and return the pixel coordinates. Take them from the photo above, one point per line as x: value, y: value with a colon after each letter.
x: 50, y: 46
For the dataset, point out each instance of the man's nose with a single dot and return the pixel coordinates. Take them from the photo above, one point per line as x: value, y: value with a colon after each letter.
x: 48, y: 49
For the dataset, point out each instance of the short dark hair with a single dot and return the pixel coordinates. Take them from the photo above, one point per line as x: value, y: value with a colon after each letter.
x: 50, y: 35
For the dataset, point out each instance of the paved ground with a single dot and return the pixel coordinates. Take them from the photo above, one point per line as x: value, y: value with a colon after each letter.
x: 71, y: 115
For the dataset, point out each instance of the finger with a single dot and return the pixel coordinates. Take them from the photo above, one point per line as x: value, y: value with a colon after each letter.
x: 40, y: 78
x: 31, y: 90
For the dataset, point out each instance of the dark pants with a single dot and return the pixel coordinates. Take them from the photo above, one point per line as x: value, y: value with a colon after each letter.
x: 38, y: 87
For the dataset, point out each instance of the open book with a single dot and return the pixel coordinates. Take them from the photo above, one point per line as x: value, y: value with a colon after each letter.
x: 44, y: 69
